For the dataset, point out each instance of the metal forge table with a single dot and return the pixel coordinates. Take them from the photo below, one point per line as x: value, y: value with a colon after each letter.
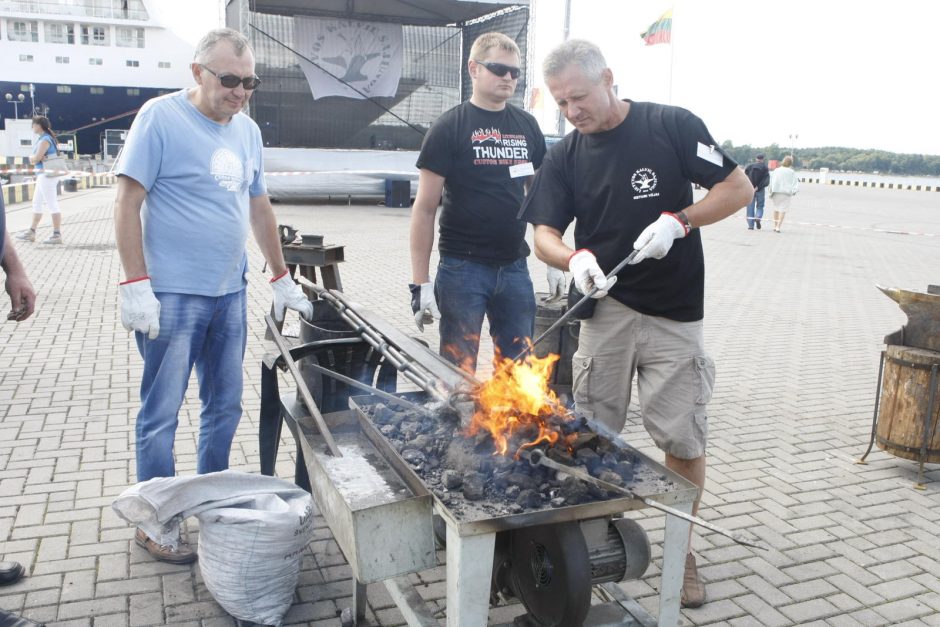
x: 380, y: 514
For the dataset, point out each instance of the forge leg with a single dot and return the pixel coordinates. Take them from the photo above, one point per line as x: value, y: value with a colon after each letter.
x: 359, y: 600
x: 675, y: 547
x: 469, y: 571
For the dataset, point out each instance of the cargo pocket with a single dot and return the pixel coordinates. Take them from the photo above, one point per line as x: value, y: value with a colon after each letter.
x: 705, y: 373
x: 581, y: 383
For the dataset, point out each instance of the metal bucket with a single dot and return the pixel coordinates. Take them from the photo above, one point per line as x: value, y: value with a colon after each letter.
x: 563, y: 341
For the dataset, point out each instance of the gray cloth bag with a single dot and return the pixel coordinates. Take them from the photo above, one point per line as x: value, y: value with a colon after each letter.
x: 252, y: 533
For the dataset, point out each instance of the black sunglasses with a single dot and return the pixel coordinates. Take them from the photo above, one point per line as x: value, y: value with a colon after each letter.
x: 500, y: 69
x: 230, y: 81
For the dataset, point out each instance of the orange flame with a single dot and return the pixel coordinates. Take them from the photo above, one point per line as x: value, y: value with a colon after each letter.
x: 516, y: 397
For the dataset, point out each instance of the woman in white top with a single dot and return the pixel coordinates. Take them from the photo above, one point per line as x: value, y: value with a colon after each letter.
x: 783, y: 186
x: 46, y: 189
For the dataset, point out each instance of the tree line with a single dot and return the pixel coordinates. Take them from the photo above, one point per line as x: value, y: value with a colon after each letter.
x: 844, y: 159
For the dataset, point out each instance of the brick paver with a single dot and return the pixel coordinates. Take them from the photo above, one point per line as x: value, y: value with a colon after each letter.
x: 793, y: 320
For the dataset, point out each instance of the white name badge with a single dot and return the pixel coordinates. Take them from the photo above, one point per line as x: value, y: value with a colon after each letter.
x: 521, y: 169
x: 710, y: 154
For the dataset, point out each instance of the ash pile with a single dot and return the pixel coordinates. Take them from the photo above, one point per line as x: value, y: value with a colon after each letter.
x: 467, y: 474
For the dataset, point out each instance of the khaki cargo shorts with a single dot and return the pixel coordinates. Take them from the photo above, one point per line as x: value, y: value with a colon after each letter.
x: 675, y: 376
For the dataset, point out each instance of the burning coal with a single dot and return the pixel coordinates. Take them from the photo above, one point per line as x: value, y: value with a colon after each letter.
x: 516, y: 399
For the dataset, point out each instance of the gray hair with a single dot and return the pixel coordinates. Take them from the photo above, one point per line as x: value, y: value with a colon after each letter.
x: 206, y: 45
x: 580, y: 52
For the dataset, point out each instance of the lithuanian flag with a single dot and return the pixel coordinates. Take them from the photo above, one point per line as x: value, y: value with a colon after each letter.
x: 660, y: 31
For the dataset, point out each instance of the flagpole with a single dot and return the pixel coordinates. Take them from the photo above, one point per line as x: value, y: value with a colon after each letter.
x: 672, y: 48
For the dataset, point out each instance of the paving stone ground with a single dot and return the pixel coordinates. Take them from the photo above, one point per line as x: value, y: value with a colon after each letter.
x: 793, y: 320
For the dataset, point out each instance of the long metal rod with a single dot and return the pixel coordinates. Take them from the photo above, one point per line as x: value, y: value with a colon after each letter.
x: 302, y: 386
x: 401, y: 402
x: 571, y: 310
x: 537, y: 458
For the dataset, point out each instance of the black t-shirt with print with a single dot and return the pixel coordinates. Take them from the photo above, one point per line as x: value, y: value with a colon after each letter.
x: 473, y: 149
x: 616, y: 183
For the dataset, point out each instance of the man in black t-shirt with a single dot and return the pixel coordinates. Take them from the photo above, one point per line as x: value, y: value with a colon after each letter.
x: 480, y: 154
x: 625, y: 176
x: 759, y: 176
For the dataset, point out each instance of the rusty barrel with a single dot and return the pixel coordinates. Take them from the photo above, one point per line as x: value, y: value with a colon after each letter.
x: 905, y: 396
x: 563, y: 341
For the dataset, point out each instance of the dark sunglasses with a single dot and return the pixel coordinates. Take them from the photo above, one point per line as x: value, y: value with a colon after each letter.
x: 230, y: 81
x: 500, y: 69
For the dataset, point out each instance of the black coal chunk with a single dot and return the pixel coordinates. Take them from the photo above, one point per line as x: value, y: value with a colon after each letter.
x: 452, y: 479
x: 573, y: 491
x: 529, y: 499
x: 523, y: 480
x: 414, y: 457
x: 473, y: 486
x: 610, y: 477
x: 625, y: 470
x: 589, y: 459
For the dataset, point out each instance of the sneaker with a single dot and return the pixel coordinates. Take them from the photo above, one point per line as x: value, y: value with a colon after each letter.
x: 693, y: 589
x: 183, y: 553
x: 29, y: 235
x: 757, y: 224
x: 55, y: 238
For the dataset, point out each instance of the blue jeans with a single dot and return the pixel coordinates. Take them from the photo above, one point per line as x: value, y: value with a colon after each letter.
x: 210, y: 333
x: 466, y: 290
x: 756, y: 203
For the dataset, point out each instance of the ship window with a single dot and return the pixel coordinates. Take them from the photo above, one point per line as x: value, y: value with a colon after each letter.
x: 94, y: 35
x: 23, y: 30
x: 163, y: 65
x: 26, y: 58
x: 132, y: 63
x: 129, y: 37
x: 61, y: 59
x: 63, y: 89
x: 97, y: 90
x: 133, y: 91
x: 94, y: 61
x: 58, y: 33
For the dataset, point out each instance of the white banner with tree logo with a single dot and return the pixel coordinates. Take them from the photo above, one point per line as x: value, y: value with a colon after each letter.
x: 349, y: 58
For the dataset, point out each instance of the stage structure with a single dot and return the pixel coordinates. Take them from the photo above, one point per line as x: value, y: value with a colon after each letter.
x: 361, y: 74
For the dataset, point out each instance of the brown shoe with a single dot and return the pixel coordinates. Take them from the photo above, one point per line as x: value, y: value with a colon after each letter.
x: 181, y: 554
x: 693, y: 589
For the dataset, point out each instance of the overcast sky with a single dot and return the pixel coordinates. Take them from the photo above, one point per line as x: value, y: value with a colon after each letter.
x: 833, y: 72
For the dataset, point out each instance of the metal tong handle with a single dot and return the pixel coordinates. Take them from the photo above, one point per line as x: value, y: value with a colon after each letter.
x: 302, y: 387
x: 568, y: 314
x: 386, y: 396
x: 538, y: 458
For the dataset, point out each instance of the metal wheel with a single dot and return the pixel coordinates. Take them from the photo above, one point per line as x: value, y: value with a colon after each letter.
x: 551, y: 573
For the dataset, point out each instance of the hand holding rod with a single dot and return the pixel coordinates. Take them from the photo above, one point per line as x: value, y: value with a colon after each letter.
x: 538, y: 458
x: 570, y: 313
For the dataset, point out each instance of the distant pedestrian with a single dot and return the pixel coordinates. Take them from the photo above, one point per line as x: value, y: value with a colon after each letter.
x: 783, y: 187
x: 46, y: 191
x: 197, y: 161
x: 759, y: 175
x: 22, y: 303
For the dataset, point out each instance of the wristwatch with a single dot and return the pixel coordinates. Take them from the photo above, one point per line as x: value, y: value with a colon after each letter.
x: 685, y: 220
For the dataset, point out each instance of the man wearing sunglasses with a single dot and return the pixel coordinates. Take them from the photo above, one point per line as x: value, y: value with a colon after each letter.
x: 624, y: 176
x: 481, y: 154
x: 191, y: 184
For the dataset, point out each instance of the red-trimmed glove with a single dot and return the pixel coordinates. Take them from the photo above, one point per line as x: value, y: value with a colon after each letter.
x: 288, y: 295
x: 588, y: 275
x: 140, y: 309
x: 656, y: 239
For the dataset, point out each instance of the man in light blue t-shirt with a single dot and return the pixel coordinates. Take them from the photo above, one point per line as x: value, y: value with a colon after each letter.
x: 191, y: 183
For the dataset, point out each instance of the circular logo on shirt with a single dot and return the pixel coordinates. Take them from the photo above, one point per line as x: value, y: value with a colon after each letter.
x: 227, y: 169
x: 643, y: 181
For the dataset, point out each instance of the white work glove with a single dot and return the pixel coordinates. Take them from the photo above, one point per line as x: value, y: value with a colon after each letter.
x: 656, y: 239
x: 288, y: 294
x: 556, y: 285
x: 140, y: 309
x: 588, y: 275
x: 423, y: 304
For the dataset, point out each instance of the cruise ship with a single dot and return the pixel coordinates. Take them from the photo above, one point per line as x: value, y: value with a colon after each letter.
x: 87, y: 65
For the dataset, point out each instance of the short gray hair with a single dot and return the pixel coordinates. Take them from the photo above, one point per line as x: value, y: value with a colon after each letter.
x: 580, y: 52
x: 213, y: 37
